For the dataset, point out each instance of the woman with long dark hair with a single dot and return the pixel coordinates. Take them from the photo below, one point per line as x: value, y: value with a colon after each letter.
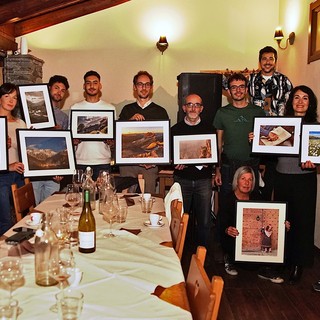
x: 8, y: 103
x: 296, y: 183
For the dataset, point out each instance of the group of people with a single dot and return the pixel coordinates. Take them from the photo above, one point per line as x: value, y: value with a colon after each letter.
x: 237, y: 174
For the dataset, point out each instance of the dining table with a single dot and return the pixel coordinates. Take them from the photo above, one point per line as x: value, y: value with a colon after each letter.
x: 130, y: 276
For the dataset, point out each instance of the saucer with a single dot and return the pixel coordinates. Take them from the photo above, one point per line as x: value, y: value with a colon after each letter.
x: 30, y: 223
x: 148, y: 224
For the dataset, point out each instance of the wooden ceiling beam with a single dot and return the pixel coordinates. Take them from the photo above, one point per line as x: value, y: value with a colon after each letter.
x: 7, y: 40
x: 18, y: 10
x: 61, y: 15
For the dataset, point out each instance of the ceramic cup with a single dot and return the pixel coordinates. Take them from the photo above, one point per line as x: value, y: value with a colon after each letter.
x: 154, y: 219
x: 36, y: 217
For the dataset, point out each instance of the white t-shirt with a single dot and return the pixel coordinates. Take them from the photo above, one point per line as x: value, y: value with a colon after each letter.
x: 93, y: 152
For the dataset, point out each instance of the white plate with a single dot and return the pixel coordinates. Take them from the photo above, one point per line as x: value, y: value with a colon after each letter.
x: 30, y: 223
x: 148, y: 224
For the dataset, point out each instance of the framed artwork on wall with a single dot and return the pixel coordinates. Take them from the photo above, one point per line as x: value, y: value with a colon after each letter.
x: 3, y: 144
x: 314, y: 32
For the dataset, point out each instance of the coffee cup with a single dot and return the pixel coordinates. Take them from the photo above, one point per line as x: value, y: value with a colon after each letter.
x: 154, y: 219
x: 36, y: 217
x: 146, y: 196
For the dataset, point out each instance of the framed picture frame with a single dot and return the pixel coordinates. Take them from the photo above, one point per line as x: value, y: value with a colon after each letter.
x: 276, y: 135
x: 314, y: 36
x: 36, y: 106
x: 46, y: 152
x: 261, y: 227
x: 142, y: 142
x: 195, y: 149
x: 310, y: 143
x: 4, y: 162
x: 92, y: 124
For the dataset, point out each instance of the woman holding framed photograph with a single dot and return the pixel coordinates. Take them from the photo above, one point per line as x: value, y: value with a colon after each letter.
x: 296, y: 183
x: 8, y: 102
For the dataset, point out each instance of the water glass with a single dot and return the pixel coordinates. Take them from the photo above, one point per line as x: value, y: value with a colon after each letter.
x: 8, y: 309
x: 122, y: 214
x: 146, y: 205
x: 69, y: 303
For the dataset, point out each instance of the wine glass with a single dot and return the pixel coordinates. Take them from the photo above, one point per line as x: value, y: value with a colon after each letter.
x: 77, y: 178
x: 72, y: 196
x: 109, y: 210
x: 61, y: 228
x: 59, y: 270
x: 11, y: 273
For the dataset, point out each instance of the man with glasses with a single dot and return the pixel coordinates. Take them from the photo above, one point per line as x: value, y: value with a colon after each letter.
x: 195, y: 180
x: 234, y: 122
x: 143, y: 109
x: 269, y: 90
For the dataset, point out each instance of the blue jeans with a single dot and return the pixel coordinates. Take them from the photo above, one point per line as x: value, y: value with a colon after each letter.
x: 6, y: 180
x: 197, y: 201
x: 95, y: 168
x: 44, y: 189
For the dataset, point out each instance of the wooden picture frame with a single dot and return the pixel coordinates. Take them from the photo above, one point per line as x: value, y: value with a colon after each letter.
x: 92, y: 124
x: 36, y: 105
x: 195, y: 149
x: 276, y: 135
x: 261, y: 227
x: 4, y: 161
x: 314, y: 32
x: 142, y: 142
x: 46, y: 152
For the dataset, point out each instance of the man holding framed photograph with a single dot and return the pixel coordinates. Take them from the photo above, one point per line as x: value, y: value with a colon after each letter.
x: 96, y: 154
x: 143, y: 109
x: 195, y: 180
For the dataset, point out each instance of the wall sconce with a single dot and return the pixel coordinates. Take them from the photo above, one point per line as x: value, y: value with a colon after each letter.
x: 162, y: 44
x: 278, y: 36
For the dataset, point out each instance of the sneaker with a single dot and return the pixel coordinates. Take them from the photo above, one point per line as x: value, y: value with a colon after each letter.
x: 268, y: 274
x: 230, y: 269
x: 316, y: 286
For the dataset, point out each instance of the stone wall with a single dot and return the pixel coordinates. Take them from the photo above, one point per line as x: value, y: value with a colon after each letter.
x: 22, y: 69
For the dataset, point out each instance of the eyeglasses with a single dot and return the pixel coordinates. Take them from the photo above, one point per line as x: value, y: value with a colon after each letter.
x: 235, y: 88
x: 196, y: 105
x: 141, y: 85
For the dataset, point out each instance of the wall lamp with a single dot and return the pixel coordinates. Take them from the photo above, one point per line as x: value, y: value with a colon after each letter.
x: 162, y: 44
x: 278, y: 36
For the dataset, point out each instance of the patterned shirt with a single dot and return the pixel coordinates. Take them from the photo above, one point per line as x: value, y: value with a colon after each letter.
x: 272, y: 94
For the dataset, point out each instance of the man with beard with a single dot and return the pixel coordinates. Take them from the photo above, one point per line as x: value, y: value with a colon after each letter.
x: 143, y: 109
x: 234, y: 122
x: 269, y: 90
x: 96, y: 154
x: 58, y: 87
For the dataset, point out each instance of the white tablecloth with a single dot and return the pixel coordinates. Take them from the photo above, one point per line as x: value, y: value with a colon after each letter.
x: 118, y: 278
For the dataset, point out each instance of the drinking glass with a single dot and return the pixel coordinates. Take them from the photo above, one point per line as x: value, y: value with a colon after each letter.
x: 77, y: 178
x: 11, y: 273
x: 109, y: 210
x: 72, y: 196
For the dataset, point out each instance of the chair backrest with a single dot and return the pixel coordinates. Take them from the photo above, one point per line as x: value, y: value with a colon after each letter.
x: 23, y: 199
x: 178, y: 226
x: 204, y: 296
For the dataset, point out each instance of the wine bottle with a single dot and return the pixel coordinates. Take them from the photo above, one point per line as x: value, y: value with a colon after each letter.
x: 87, y: 226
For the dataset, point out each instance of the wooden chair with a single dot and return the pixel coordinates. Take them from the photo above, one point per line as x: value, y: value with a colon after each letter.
x: 23, y: 199
x: 178, y: 226
x: 204, y: 296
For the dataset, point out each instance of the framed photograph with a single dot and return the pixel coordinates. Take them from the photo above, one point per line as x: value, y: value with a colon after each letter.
x: 46, y: 152
x: 4, y: 163
x: 310, y: 143
x: 276, y: 135
x: 195, y: 149
x: 261, y: 227
x: 314, y: 36
x: 92, y: 124
x: 36, y: 106
x: 142, y: 142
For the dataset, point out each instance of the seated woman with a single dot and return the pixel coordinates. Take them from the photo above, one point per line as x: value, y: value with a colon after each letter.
x: 243, y: 189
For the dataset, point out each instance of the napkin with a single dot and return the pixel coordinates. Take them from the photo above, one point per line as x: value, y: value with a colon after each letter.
x: 167, y: 244
x: 133, y: 231
x: 130, y: 202
x: 173, y: 295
